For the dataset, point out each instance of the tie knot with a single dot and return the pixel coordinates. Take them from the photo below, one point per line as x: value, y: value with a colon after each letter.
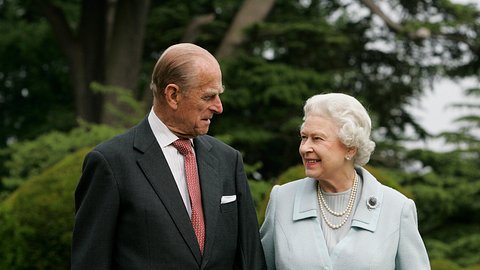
x: 184, y: 146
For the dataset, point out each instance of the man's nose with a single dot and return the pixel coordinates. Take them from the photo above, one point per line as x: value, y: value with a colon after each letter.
x: 217, y: 106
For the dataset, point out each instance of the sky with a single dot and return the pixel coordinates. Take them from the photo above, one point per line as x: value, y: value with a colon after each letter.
x: 432, y: 111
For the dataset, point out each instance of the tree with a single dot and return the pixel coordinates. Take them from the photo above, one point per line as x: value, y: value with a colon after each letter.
x: 251, y: 12
x: 372, y: 54
x: 36, y: 223
x: 467, y: 137
x: 96, y: 48
x: 276, y: 56
x: 34, y: 87
x: 445, y: 186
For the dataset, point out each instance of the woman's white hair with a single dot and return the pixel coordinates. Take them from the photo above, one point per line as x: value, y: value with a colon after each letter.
x: 354, y: 123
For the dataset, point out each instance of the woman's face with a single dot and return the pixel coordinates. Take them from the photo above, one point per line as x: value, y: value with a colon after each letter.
x: 322, y: 153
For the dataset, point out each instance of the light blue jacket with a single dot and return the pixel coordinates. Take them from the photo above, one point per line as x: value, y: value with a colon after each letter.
x: 383, y: 236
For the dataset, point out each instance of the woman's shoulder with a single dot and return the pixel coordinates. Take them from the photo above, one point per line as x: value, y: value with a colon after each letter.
x: 371, y: 183
x: 295, y: 184
x: 288, y: 190
x: 386, y: 196
x: 394, y: 194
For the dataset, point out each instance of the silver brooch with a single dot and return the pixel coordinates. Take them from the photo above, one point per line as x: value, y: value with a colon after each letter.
x: 372, y: 203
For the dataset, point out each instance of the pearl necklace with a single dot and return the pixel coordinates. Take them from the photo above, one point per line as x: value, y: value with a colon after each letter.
x: 346, y: 212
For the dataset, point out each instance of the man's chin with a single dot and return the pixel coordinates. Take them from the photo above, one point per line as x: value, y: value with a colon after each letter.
x: 201, y: 131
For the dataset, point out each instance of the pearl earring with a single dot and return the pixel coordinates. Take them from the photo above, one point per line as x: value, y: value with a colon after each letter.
x: 348, y: 157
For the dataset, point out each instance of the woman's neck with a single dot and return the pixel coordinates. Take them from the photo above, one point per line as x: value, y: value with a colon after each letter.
x: 337, y: 184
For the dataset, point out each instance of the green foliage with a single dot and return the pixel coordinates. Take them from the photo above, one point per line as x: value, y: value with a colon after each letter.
x: 293, y: 173
x: 390, y: 178
x: 444, y: 265
x: 444, y: 192
x: 267, y: 81
x: 36, y: 221
x: 126, y: 109
x: 252, y: 84
x: 465, y: 250
x: 28, y: 158
x: 446, y: 189
x: 35, y: 94
x: 260, y: 191
x: 467, y: 136
x: 458, y: 242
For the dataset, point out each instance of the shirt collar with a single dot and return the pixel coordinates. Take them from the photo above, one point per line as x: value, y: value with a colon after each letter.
x: 164, y: 136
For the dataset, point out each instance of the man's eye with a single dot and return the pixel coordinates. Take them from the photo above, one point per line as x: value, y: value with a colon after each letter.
x: 207, y: 98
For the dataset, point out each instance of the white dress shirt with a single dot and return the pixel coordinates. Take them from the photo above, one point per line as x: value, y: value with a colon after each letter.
x: 175, y: 160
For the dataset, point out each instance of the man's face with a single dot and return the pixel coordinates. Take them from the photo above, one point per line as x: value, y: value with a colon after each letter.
x: 197, y: 106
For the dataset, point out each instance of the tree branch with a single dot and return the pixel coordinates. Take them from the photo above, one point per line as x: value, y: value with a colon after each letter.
x: 193, y: 29
x: 60, y: 28
x: 251, y: 11
x: 397, y: 28
x: 420, y: 34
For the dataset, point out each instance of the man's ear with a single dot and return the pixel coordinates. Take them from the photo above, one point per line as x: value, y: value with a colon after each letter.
x: 172, y: 92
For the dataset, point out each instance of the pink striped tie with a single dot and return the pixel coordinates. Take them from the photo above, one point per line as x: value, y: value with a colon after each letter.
x: 184, y: 146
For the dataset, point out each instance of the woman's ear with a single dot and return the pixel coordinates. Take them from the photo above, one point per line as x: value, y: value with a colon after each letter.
x: 172, y: 92
x: 352, y: 151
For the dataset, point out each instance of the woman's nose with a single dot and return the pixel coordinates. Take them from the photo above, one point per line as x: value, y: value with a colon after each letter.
x: 305, y: 146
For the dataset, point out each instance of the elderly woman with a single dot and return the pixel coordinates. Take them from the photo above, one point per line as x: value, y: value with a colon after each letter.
x: 339, y: 217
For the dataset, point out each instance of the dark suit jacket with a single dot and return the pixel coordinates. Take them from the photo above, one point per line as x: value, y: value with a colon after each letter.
x: 130, y: 215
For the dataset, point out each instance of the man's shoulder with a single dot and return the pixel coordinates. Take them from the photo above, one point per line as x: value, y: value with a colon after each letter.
x: 117, y: 139
x: 215, y: 142
x: 120, y: 141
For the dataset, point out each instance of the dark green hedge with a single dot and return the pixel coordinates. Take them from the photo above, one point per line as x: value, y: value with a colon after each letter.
x: 36, y: 220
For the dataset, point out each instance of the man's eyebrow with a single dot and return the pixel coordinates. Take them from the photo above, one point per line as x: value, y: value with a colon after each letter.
x: 218, y: 90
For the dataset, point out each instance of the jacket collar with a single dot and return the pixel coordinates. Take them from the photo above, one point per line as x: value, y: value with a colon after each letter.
x: 367, y: 211
x: 370, y: 204
x: 155, y: 167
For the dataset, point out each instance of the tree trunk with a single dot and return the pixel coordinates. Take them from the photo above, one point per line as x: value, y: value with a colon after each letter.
x: 106, y: 49
x: 124, y: 52
x: 84, y: 50
x: 193, y: 29
x: 92, y: 37
x: 251, y: 11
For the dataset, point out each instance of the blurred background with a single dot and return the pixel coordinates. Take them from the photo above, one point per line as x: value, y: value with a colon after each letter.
x: 74, y: 73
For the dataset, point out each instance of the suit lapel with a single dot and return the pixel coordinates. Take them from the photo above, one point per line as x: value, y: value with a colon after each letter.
x: 155, y: 167
x: 366, y: 217
x: 305, y: 208
x: 211, y: 187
